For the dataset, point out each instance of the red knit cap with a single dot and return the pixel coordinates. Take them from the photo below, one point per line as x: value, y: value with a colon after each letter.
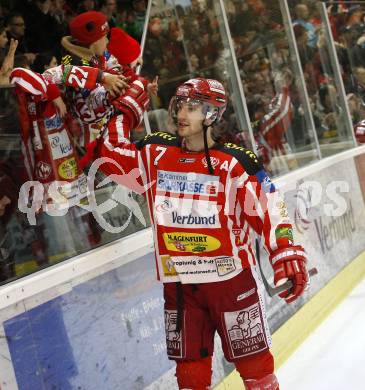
x: 125, y: 48
x: 89, y: 27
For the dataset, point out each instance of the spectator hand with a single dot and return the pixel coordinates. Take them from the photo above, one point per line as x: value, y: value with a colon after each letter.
x: 60, y: 106
x: 12, y: 47
x: 152, y: 88
x: 8, y: 62
x: 115, y: 84
x: 290, y: 264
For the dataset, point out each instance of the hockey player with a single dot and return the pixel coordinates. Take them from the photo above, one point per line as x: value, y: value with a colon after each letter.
x: 206, y: 202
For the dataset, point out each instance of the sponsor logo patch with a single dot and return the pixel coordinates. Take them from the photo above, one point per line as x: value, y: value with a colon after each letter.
x: 187, y: 183
x: 183, y: 91
x: 60, y: 144
x: 284, y: 232
x: 216, y: 86
x: 194, y: 220
x: 53, y: 122
x: 163, y: 205
x: 68, y: 169
x: 213, y: 160
x: 43, y: 170
x: 190, y: 242
x: 225, y: 265
x: 173, y: 338
x: 168, y: 266
x: 246, y: 294
x: 187, y: 160
x: 245, y: 331
x: 183, y: 212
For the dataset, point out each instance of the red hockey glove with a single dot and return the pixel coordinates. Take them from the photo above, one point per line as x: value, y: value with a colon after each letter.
x: 290, y: 264
x: 133, y: 103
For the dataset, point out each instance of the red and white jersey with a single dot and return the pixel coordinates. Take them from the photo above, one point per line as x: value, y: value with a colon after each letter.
x: 93, y: 109
x: 275, y: 124
x: 203, y: 223
x: 89, y: 105
x: 45, y: 86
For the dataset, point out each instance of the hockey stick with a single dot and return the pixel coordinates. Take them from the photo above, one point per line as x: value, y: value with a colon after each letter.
x: 272, y: 291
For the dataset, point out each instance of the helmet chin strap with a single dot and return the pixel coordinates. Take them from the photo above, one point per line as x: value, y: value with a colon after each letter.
x: 206, y: 149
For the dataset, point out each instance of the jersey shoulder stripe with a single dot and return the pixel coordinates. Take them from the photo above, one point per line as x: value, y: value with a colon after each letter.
x: 246, y: 157
x: 159, y: 138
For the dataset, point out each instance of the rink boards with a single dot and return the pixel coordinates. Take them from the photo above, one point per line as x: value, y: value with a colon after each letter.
x: 96, y: 321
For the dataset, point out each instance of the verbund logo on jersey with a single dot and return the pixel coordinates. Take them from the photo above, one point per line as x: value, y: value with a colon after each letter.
x: 187, y: 183
x: 190, y: 213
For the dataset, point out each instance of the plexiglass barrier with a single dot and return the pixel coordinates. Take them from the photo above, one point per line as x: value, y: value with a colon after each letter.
x: 318, y: 57
x: 346, y: 26
x: 26, y: 246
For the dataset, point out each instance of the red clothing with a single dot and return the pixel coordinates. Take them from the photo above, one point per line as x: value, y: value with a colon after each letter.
x: 92, y: 109
x: 360, y: 132
x: 203, y: 223
x: 234, y: 308
x: 47, y: 145
x: 275, y: 124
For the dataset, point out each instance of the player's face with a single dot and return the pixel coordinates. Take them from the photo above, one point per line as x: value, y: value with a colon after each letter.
x: 100, y: 46
x: 190, y: 118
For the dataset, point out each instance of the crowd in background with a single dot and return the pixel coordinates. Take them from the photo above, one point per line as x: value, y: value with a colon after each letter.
x: 185, y: 41
x: 39, y: 25
x: 30, y: 34
x: 348, y: 28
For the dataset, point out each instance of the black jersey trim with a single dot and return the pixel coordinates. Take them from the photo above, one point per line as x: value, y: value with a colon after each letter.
x: 160, y: 138
x: 246, y: 157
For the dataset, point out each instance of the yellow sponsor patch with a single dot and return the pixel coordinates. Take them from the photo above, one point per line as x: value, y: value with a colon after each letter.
x: 190, y: 242
x: 168, y: 266
x: 68, y: 169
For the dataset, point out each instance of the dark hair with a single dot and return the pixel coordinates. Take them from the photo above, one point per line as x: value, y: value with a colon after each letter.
x: 21, y: 61
x: 357, y: 55
x: 2, y: 28
x: 299, y: 31
x: 41, y: 60
x: 11, y: 16
x: 323, y: 92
